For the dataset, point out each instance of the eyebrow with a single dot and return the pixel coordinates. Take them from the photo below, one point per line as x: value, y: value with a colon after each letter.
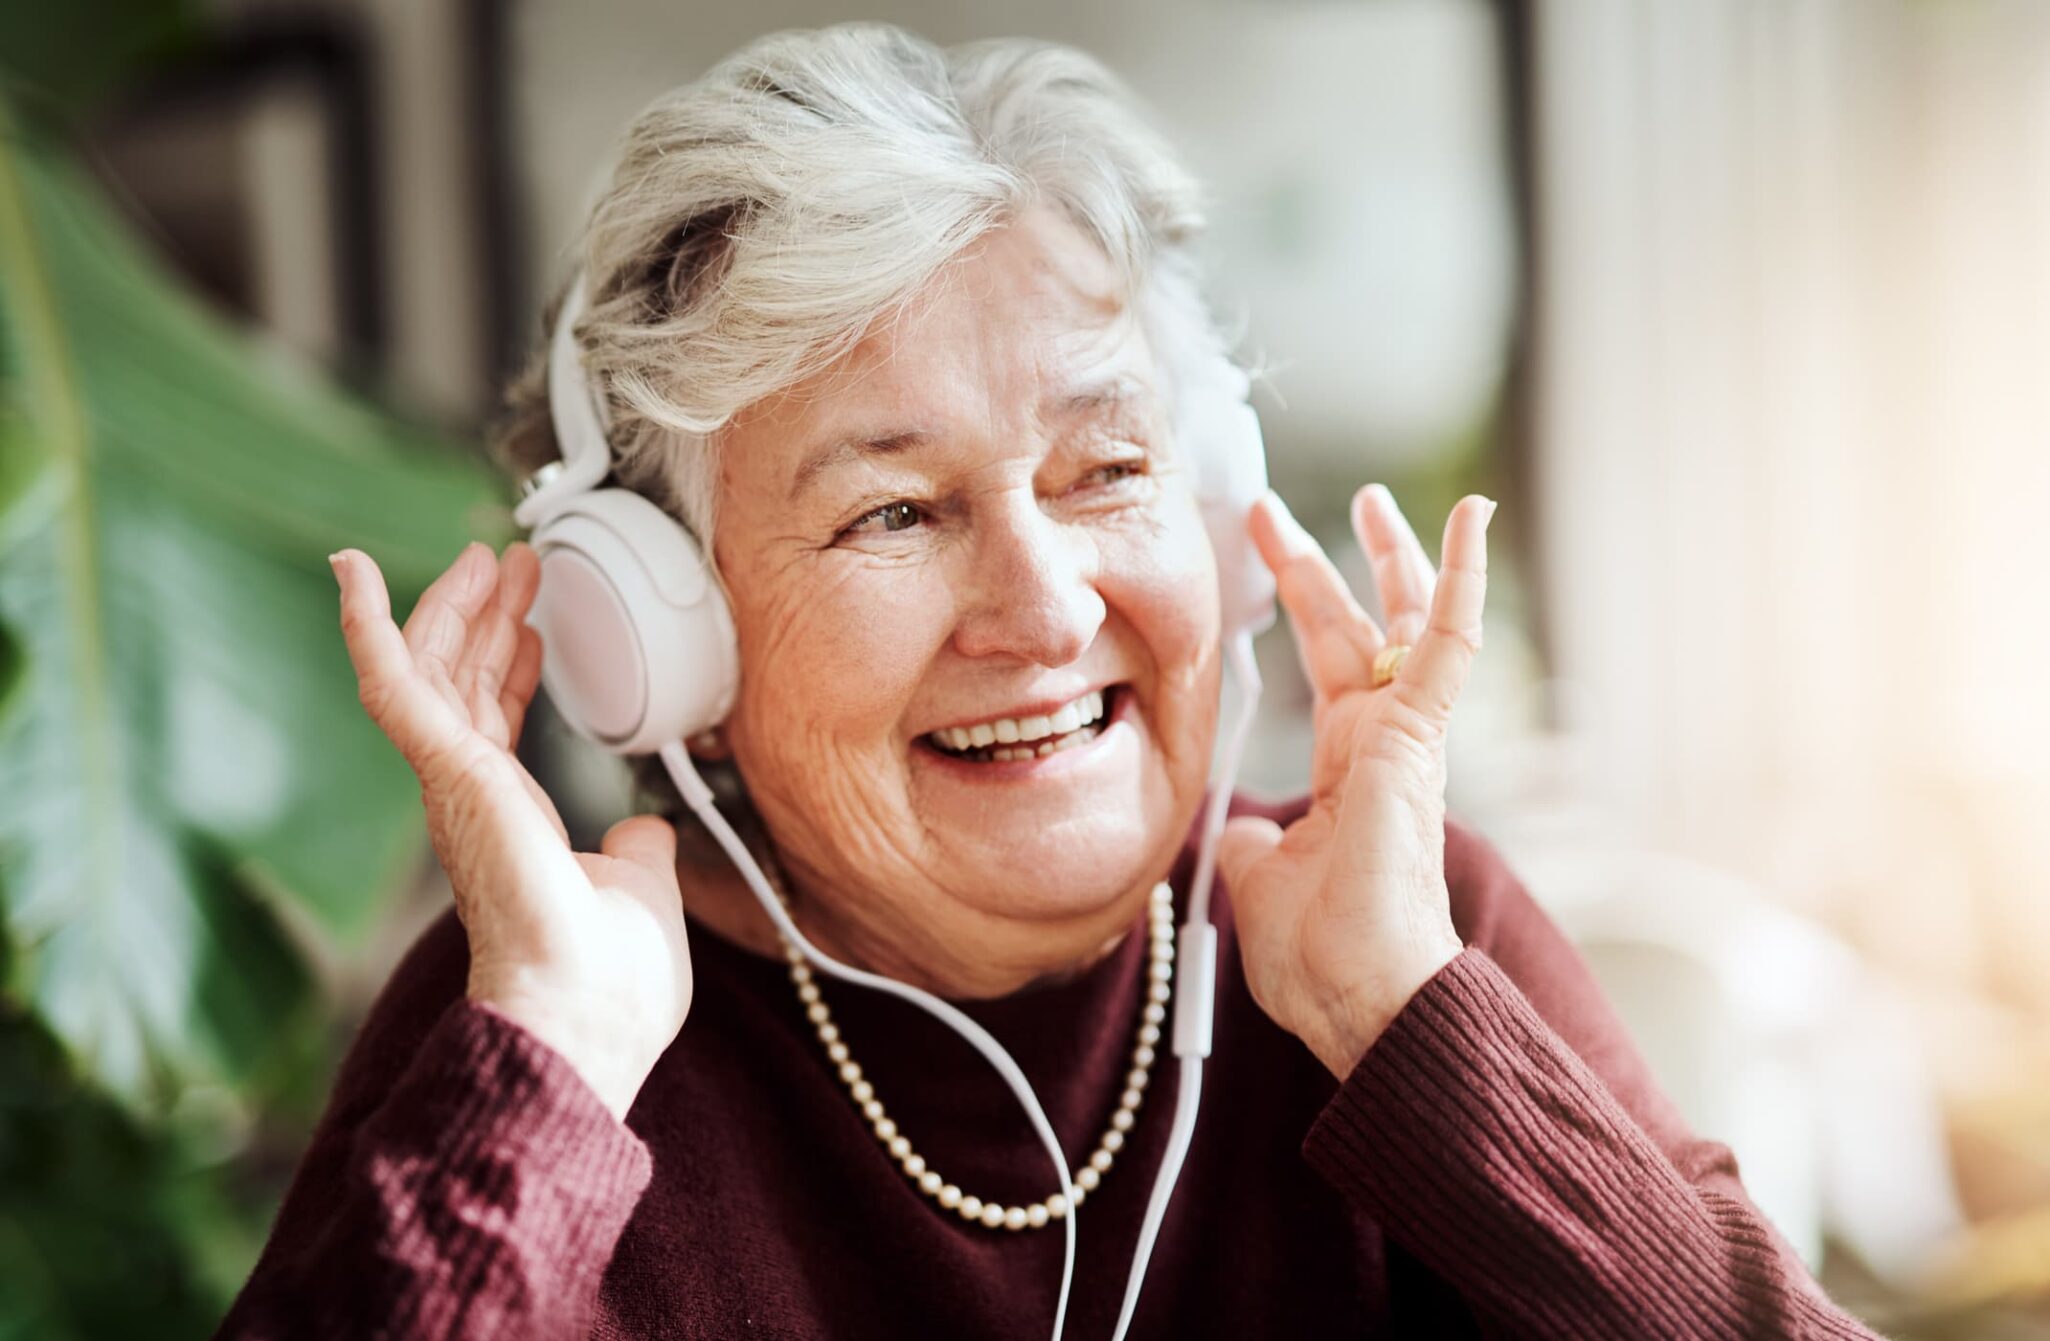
x: 1114, y: 391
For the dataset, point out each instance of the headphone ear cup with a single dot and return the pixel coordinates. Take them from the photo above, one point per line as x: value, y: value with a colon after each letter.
x: 638, y: 648
x: 1221, y: 433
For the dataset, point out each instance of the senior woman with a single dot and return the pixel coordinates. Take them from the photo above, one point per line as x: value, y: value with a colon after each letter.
x: 883, y: 324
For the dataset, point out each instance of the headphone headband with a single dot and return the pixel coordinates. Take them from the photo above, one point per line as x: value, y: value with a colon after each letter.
x: 578, y: 413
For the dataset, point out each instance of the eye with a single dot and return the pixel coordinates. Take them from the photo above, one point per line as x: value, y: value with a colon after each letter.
x: 1115, y: 482
x: 1113, y: 472
x: 888, y: 517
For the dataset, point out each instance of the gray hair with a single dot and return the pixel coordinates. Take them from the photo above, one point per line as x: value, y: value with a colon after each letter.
x: 760, y: 219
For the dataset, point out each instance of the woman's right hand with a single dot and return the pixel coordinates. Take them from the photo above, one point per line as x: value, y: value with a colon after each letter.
x: 585, y: 950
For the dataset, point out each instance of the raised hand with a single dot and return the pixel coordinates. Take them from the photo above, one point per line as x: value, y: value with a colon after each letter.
x: 585, y: 950
x: 1345, y: 914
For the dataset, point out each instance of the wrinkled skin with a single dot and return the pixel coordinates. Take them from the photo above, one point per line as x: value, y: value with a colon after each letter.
x: 1020, y: 552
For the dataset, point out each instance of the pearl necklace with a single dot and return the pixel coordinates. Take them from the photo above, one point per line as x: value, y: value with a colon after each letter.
x: 995, y: 1215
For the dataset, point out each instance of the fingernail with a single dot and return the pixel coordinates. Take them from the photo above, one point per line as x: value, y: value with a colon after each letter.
x: 334, y: 562
x: 1490, y: 514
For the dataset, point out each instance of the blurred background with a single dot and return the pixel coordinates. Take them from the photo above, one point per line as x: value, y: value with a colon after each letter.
x: 1738, y: 306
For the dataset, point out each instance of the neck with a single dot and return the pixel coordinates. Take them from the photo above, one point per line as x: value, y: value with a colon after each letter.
x: 717, y: 895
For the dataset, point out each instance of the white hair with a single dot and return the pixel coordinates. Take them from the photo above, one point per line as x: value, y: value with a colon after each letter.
x: 762, y: 217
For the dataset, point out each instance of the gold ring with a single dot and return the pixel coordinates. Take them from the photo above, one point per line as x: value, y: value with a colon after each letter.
x: 1388, y: 661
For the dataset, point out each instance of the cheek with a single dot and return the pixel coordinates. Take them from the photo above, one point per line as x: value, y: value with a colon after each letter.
x: 1167, y: 593
x: 1164, y: 583
x: 831, y: 661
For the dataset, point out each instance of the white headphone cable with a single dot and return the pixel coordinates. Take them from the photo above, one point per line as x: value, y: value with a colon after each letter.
x: 1196, y: 968
x: 1195, y: 953
x: 699, y: 797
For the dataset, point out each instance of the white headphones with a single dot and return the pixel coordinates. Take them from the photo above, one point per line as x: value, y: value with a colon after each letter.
x: 638, y: 645
x: 639, y: 654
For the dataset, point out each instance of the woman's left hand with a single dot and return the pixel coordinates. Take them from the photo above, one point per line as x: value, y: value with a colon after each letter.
x: 1345, y: 914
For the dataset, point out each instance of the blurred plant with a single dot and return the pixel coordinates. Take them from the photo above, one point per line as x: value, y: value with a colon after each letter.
x: 188, y: 789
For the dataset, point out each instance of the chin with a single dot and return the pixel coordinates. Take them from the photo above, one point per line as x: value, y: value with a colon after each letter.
x: 1075, y: 866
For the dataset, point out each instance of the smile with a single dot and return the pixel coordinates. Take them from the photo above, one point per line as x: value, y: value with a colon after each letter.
x: 1007, y: 739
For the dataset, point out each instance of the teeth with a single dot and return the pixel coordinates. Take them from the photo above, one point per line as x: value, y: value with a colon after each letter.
x: 1003, y: 754
x: 1031, y: 736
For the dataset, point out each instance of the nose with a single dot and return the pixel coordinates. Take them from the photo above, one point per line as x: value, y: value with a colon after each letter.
x: 1030, y: 589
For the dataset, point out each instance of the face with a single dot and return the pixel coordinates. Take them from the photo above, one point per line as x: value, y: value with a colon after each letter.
x: 946, y: 555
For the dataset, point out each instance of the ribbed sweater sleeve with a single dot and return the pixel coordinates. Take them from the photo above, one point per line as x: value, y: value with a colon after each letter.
x: 1505, y: 1133
x: 480, y: 1192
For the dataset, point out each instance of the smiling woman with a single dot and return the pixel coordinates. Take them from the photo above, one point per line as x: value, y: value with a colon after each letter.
x: 908, y: 338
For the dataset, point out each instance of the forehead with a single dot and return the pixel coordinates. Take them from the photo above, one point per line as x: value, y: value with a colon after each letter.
x: 1030, y: 310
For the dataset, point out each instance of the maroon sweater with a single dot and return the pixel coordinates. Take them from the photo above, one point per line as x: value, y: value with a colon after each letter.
x: 1499, y: 1164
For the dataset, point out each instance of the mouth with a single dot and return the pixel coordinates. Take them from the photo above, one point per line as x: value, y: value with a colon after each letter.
x: 1016, y: 739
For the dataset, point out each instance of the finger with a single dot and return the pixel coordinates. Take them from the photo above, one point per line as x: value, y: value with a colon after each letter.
x: 1402, y: 573
x: 487, y: 654
x: 1431, y: 679
x: 520, y: 578
x: 519, y: 684
x: 1244, y: 841
x: 441, y: 618
x: 1336, y: 637
x: 645, y: 841
x: 386, y: 681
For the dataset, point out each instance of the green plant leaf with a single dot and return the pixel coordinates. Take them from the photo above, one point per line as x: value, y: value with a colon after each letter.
x: 96, y: 1200
x: 181, y: 750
